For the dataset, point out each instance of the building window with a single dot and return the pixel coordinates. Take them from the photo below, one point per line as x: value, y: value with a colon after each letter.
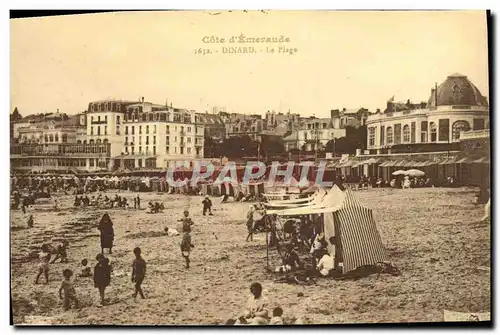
x: 423, y: 137
x: 118, y: 119
x: 57, y: 138
x: 444, y: 130
x: 126, y: 140
x: 458, y: 127
x: 182, y: 151
x: 154, y: 129
x: 167, y: 149
x: 91, y: 133
x: 140, y: 149
x: 189, y: 129
x: 154, y: 150
x: 397, y: 133
x: 117, y: 130
x: 133, y: 150
x: 106, y: 118
x: 64, y: 138
x: 147, y: 129
x: 167, y: 129
x: 390, y: 135
x: 133, y: 130
x: 147, y: 140
x: 147, y: 150
x: 133, y: 139
x: 98, y: 130
x: 478, y: 124
x: 406, y: 134
x: 167, y: 139
x: 109, y: 105
x: 175, y: 149
x: 433, y: 132
x: 126, y: 149
x: 91, y: 162
x: 126, y: 130
x: 140, y: 139
x: 371, y: 136
x: 188, y: 150
x: 114, y: 109
x: 105, y: 130
x: 154, y: 139
x: 412, y: 136
x: 91, y: 119
x: 175, y: 139
x: 189, y: 139
x: 382, y: 135
x: 98, y: 118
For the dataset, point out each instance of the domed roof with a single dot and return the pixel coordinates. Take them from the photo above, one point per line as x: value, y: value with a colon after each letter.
x: 457, y: 90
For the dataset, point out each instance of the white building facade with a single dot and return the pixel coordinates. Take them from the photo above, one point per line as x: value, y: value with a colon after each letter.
x: 456, y: 106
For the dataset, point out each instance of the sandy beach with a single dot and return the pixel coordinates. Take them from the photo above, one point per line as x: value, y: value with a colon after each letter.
x: 433, y: 235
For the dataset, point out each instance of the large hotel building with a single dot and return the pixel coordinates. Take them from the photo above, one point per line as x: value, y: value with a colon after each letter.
x: 111, y: 134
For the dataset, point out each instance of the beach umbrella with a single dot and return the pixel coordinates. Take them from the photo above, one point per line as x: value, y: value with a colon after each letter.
x: 398, y: 172
x: 415, y: 173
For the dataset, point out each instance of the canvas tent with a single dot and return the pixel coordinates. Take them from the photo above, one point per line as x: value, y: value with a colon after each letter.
x: 353, y: 225
x: 316, y: 199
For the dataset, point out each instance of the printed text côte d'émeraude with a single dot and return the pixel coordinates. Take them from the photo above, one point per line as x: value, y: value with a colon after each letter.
x: 244, y: 39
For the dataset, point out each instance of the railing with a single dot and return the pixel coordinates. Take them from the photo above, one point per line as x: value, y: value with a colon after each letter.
x: 99, y: 122
x: 464, y: 135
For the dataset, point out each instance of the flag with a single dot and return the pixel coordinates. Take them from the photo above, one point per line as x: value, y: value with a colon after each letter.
x: 391, y: 99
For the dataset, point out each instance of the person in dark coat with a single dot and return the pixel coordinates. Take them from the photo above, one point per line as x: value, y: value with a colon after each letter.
x: 102, y: 275
x: 107, y: 233
x: 207, y: 206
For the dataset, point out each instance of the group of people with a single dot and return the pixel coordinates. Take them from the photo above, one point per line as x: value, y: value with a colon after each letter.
x: 106, y: 202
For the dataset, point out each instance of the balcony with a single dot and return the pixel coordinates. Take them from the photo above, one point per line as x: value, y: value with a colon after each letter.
x: 99, y: 122
x: 183, y: 133
x: 466, y: 135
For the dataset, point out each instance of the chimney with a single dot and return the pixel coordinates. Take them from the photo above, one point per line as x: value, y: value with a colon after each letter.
x: 343, y: 109
x: 142, y: 99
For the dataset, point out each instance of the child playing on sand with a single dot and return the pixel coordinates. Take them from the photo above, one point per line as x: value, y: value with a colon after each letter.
x: 43, y: 266
x: 186, y: 247
x: 138, y: 272
x: 86, y: 271
x: 277, y: 317
x: 30, y: 221
x: 68, y: 290
x: 207, y: 206
x: 102, y: 276
x: 61, y: 252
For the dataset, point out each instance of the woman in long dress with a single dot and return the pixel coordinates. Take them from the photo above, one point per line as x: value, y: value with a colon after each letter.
x: 107, y: 233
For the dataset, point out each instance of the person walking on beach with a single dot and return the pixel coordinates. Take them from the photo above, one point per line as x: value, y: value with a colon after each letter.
x: 102, y: 276
x: 250, y: 223
x: 186, y: 222
x: 107, y: 233
x: 207, y: 206
x: 138, y: 201
x: 43, y: 266
x: 68, y: 289
x: 186, y: 247
x: 138, y: 272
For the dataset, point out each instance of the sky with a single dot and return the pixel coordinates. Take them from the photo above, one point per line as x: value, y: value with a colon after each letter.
x: 343, y: 59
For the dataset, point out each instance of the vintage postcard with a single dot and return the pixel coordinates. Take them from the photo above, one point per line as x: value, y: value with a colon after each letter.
x: 250, y: 168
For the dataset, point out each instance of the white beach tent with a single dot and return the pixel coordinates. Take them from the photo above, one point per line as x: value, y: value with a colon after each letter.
x: 316, y: 199
x: 358, y: 240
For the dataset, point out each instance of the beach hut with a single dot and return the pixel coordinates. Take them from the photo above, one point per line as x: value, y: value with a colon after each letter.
x: 464, y: 170
x: 480, y: 170
x: 351, y: 224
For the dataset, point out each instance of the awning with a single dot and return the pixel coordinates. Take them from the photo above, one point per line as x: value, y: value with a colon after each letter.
x: 464, y: 160
x: 387, y: 164
x: 482, y: 160
x: 400, y: 163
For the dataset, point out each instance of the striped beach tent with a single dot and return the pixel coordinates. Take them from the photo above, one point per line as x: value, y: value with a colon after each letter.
x: 354, y: 226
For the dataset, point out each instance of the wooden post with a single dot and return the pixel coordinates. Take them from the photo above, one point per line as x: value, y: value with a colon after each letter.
x: 267, y: 250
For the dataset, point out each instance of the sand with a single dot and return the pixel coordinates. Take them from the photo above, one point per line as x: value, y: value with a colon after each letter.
x: 433, y: 235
